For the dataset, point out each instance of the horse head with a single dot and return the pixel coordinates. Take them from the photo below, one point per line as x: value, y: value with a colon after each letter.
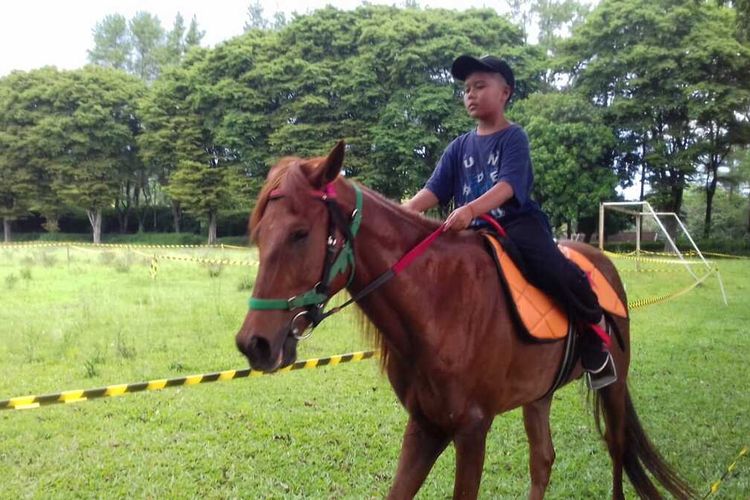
x: 291, y: 225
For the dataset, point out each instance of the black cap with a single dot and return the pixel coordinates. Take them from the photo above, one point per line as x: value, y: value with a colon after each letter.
x: 465, y: 65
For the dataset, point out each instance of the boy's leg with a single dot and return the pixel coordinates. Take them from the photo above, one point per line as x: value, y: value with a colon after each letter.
x: 549, y: 270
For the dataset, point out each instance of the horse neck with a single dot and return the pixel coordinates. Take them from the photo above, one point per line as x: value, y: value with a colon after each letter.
x: 386, y: 233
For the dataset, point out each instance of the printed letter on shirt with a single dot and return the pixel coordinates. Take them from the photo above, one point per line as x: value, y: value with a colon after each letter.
x: 492, y: 160
x: 469, y: 163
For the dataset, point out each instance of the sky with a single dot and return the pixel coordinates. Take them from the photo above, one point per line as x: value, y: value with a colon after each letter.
x: 36, y: 33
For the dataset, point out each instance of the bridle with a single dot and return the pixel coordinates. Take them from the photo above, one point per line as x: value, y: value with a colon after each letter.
x: 337, y: 261
x: 313, y: 301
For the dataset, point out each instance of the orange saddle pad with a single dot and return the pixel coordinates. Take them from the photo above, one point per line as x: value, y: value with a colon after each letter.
x: 541, y: 316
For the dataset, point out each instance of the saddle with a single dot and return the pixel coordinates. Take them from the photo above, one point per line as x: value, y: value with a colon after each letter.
x: 537, y: 312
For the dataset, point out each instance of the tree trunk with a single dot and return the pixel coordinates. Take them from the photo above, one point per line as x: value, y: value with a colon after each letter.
x: 710, y: 192
x: 675, y: 204
x: 643, y: 171
x: 212, y: 227
x: 95, y: 218
x: 6, y: 230
x: 176, y: 215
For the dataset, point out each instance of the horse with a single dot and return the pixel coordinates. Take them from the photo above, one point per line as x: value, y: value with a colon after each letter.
x: 450, y: 350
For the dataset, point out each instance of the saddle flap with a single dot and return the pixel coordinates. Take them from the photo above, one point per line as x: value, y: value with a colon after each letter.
x: 541, y: 317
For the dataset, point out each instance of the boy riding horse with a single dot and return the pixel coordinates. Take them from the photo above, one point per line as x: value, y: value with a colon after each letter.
x: 488, y: 171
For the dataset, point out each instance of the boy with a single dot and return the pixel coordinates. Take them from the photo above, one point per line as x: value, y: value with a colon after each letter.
x: 488, y: 170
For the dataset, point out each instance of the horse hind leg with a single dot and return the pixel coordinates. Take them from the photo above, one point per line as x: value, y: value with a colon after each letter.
x: 541, y: 450
x: 611, y: 400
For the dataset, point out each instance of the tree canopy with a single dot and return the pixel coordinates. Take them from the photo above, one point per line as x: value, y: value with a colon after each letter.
x: 652, y: 91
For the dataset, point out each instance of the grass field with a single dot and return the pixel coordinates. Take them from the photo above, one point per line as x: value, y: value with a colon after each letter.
x: 88, y: 318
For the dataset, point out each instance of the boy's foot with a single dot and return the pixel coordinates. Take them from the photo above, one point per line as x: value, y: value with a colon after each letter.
x: 596, y: 359
x: 602, y: 376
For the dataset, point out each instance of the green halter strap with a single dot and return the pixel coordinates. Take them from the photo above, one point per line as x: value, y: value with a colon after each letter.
x: 315, y: 298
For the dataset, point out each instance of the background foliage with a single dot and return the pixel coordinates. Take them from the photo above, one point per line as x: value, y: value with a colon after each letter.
x: 624, y: 92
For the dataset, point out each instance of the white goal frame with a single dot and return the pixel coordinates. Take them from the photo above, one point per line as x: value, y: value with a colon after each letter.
x: 639, y: 209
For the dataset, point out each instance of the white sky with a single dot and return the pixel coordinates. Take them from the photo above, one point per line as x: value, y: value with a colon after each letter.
x: 36, y: 33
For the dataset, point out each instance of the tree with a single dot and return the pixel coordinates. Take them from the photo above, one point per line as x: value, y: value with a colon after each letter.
x: 147, y: 37
x: 255, y: 18
x: 721, y: 88
x: 194, y: 35
x: 378, y: 77
x: 91, y: 136
x: 571, y: 148
x: 112, y: 43
x: 178, y: 143
x: 141, y: 46
x: 171, y: 129
x: 553, y: 18
x: 637, y: 59
x: 27, y: 101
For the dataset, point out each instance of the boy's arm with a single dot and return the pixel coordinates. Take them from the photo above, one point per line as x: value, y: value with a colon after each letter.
x: 422, y: 201
x: 495, y: 197
x: 461, y: 217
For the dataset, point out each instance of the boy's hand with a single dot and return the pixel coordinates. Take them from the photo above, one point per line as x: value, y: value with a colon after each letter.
x: 459, y: 219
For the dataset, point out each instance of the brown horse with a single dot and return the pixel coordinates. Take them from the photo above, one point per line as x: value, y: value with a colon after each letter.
x: 451, y: 353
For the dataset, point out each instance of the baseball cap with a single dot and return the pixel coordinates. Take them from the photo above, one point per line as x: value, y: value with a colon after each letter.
x: 465, y: 65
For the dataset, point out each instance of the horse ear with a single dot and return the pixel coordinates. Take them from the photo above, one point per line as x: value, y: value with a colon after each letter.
x: 330, y: 167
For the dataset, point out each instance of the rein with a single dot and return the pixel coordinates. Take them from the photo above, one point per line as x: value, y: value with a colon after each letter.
x: 314, y: 300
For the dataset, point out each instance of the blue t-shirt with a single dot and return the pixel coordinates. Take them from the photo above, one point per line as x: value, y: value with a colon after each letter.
x: 473, y: 163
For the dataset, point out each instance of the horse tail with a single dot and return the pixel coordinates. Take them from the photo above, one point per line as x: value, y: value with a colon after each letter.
x: 640, y: 455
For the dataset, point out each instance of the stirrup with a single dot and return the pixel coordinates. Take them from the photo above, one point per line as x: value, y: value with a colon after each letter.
x: 602, y: 376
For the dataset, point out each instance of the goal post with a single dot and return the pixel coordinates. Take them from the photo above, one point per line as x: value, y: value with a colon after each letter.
x: 641, y: 209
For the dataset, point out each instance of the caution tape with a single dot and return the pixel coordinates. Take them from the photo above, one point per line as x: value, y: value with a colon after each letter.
x: 637, y: 304
x: 75, y: 396
x: 23, y: 244
x: 716, y: 484
x: 654, y: 260
x: 653, y: 270
x: 223, y: 262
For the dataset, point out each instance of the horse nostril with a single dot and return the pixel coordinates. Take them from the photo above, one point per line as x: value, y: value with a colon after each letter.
x: 258, y: 352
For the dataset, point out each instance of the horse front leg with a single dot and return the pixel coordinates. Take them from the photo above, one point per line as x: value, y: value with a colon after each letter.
x: 541, y: 451
x: 419, y: 451
x: 470, y: 443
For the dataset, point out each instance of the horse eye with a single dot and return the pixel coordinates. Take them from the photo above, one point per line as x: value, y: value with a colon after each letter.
x: 298, y: 235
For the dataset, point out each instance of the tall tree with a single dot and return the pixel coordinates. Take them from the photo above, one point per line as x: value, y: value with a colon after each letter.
x: 112, y: 43
x: 27, y: 103
x: 554, y: 19
x: 571, y: 147
x: 147, y: 37
x: 174, y: 45
x: 721, y: 87
x: 637, y: 59
x: 141, y: 46
x: 255, y: 18
x: 91, y: 132
x: 194, y: 35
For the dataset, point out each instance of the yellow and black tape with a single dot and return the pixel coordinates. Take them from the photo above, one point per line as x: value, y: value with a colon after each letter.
x: 23, y: 244
x: 654, y: 259
x: 74, y: 396
x: 214, y: 262
x: 716, y: 484
x: 653, y: 270
x: 637, y: 304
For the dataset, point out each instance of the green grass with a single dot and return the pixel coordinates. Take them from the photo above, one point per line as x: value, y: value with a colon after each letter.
x: 97, y: 318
